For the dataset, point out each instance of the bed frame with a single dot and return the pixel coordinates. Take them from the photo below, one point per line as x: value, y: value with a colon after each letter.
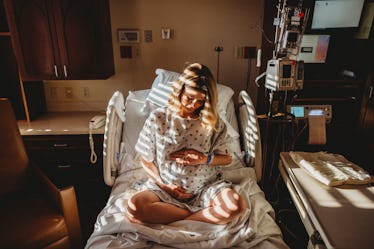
x: 255, y: 229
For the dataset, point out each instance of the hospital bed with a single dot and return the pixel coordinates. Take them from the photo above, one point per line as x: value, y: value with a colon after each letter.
x: 256, y: 228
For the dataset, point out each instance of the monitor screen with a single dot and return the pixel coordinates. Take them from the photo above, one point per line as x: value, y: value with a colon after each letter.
x: 337, y: 14
x: 286, y: 71
x: 313, y: 48
x: 298, y: 111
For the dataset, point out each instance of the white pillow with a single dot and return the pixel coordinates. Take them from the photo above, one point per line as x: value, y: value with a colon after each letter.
x: 162, y: 87
x: 134, y: 119
x: 224, y: 96
x: 164, y: 76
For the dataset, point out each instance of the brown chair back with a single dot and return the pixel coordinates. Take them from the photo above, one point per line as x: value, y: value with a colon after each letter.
x: 13, y: 157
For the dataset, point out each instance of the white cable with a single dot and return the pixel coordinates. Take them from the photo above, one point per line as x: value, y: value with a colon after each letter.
x: 259, y: 77
x: 93, y: 156
x: 258, y: 62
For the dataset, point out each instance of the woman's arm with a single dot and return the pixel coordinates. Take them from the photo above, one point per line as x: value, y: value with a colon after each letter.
x: 220, y: 159
x: 174, y: 190
x: 193, y: 157
x: 152, y: 171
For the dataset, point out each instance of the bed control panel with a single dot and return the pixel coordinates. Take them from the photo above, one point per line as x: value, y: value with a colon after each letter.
x: 302, y: 111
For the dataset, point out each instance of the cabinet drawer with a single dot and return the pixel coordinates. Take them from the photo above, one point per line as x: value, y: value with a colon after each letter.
x: 66, y: 172
x: 57, y: 142
x: 77, y: 156
x: 66, y: 159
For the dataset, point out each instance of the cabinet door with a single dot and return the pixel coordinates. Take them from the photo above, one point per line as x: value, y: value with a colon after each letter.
x: 33, y: 39
x: 84, y: 35
x: 367, y: 111
x: 61, y: 39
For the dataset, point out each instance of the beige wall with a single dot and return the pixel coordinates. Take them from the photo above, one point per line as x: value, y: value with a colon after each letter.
x: 198, y: 25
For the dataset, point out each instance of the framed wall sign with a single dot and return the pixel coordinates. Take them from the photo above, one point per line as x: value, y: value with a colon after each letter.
x: 128, y: 35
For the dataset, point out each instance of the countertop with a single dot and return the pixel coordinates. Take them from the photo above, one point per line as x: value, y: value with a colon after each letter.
x: 60, y: 123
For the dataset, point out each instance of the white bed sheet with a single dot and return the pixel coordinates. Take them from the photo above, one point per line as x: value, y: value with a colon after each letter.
x: 255, y: 229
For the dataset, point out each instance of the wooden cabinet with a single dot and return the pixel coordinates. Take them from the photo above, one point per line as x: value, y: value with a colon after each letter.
x: 66, y: 161
x: 27, y: 98
x: 367, y: 110
x: 365, y: 139
x: 61, y: 39
x: 368, y: 116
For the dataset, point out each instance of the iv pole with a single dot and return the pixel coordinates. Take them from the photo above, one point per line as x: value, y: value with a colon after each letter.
x: 218, y: 49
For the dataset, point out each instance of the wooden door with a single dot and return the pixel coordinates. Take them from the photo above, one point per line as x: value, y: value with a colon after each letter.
x: 33, y: 37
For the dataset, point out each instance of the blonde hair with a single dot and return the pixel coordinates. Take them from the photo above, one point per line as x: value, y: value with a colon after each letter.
x: 199, y: 77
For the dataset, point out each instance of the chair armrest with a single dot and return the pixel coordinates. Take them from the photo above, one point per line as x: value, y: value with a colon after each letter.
x: 46, y: 186
x: 66, y: 202
x: 70, y: 211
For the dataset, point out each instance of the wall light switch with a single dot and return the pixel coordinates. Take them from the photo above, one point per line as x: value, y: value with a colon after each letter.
x: 148, y: 36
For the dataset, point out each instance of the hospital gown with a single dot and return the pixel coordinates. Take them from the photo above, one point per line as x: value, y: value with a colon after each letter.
x: 165, y: 132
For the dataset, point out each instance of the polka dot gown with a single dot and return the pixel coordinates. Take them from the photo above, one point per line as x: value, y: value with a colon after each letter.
x: 165, y: 132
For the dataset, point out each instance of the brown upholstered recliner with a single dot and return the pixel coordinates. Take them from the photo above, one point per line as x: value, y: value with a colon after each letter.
x: 33, y: 212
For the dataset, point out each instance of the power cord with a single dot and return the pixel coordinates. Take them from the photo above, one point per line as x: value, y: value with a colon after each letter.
x: 93, y: 156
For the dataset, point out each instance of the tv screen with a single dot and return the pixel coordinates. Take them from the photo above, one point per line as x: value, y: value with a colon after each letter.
x: 337, y: 14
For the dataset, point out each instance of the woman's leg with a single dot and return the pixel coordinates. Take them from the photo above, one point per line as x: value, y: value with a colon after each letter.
x: 226, y: 206
x: 146, y: 207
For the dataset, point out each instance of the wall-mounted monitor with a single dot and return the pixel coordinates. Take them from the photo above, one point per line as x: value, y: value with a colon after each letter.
x: 313, y: 48
x: 337, y: 14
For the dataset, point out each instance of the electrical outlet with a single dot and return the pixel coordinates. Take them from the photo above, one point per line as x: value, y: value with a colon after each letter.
x: 68, y: 92
x: 136, y: 51
x: 53, y: 92
x: 86, y: 92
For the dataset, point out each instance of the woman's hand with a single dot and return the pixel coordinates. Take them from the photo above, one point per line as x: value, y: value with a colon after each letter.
x: 175, y: 191
x: 188, y: 157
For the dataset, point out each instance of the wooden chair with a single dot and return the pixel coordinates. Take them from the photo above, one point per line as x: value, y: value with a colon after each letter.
x: 34, y: 213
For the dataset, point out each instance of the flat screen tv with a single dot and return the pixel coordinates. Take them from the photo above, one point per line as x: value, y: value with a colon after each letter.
x: 332, y: 14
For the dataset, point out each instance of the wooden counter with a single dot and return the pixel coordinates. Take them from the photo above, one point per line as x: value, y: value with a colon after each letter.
x: 60, y: 123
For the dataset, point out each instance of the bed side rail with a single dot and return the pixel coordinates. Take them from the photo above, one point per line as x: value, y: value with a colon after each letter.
x: 250, y: 133
x: 115, y: 117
